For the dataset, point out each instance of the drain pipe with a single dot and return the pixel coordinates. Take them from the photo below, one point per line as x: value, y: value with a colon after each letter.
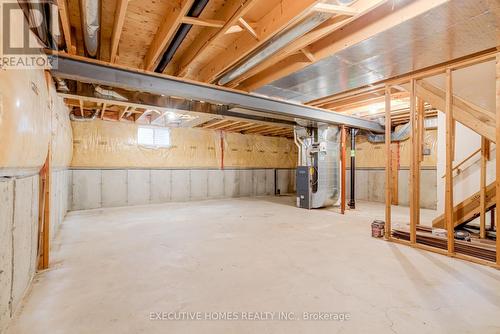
x: 180, y: 35
x: 299, y: 144
x: 352, y: 201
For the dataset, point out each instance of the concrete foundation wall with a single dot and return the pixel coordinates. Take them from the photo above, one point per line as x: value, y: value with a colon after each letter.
x: 370, y: 186
x: 19, y: 233
x: 100, y: 188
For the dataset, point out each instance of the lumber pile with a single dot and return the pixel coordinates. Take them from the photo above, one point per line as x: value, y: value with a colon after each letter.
x: 475, y: 248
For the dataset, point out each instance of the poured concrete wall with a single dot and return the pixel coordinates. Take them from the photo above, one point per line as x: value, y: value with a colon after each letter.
x: 370, y: 186
x: 19, y: 233
x: 99, y: 188
x: 18, y: 241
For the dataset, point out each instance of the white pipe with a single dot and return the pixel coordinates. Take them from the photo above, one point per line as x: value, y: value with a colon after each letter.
x: 297, y: 141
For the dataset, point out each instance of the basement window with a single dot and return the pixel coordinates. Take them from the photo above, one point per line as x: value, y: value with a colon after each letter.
x: 153, y: 137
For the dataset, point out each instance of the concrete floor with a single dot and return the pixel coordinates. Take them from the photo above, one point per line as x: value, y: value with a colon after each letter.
x: 112, y: 267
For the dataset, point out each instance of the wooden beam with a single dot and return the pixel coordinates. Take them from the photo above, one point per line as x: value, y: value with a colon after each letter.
x: 120, y: 11
x: 335, y: 9
x: 286, y: 12
x: 455, y: 64
x: 485, y: 152
x: 245, y: 25
x: 202, y: 22
x: 66, y: 27
x: 103, y: 110
x: 414, y: 186
x: 205, y: 40
x: 122, y: 113
x: 388, y: 160
x: 395, y: 173
x: 81, y: 107
x: 165, y: 33
x: 214, y: 124
x: 306, y: 52
x: 498, y: 154
x: 448, y: 202
x: 316, y: 34
x: 343, y: 166
x: 470, y: 115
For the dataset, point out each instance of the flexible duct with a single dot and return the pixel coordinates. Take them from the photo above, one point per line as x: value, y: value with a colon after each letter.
x: 402, y: 134
x: 180, y: 35
x: 83, y: 118
x: 91, y: 25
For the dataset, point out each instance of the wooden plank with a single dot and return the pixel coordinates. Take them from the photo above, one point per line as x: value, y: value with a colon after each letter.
x: 414, y: 186
x: 121, y: 10
x: 81, y: 107
x: 464, y: 112
x: 395, y: 173
x: 123, y: 112
x: 448, y: 202
x: 286, y: 12
x: 485, y: 145
x: 468, y: 208
x: 245, y: 25
x: 205, y: 40
x: 202, y: 22
x: 103, y: 110
x: 388, y: 163
x: 498, y: 154
x: 419, y: 133
x: 421, y: 130
x: 66, y: 27
x: 335, y: 9
x: 165, y: 34
x: 343, y: 166
x: 308, y: 54
x: 316, y: 34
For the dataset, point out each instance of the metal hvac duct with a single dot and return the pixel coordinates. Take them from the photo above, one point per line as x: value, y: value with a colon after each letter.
x: 320, y: 150
x: 91, y: 25
x: 44, y: 21
x: 275, y: 44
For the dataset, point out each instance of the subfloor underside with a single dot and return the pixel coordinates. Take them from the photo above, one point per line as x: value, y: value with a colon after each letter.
x: 115, y: 271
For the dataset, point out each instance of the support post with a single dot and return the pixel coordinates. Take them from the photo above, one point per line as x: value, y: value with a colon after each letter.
x: 497, y: 182
x: 343, y: 167
x: 388, y: 163
x: 485, y: 153
x: 448, y: 202
x: 352, y: 201
x: 413, y: 165
x: 395, y: 173
x: 221, y: 150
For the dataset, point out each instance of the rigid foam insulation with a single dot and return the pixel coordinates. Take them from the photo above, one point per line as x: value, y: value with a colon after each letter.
x: 106, y: 144
x: 372, y: 155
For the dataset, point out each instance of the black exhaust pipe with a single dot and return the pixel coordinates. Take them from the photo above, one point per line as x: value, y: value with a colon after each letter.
x: 180, y: 35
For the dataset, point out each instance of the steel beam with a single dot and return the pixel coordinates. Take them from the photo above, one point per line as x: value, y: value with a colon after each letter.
x: 96, y: 72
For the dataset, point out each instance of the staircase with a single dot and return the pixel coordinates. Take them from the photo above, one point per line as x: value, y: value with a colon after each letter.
x: 472, y: 116
x: 469, y: 209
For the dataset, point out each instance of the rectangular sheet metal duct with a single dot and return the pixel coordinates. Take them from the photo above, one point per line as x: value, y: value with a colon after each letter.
x: 114, y: 76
